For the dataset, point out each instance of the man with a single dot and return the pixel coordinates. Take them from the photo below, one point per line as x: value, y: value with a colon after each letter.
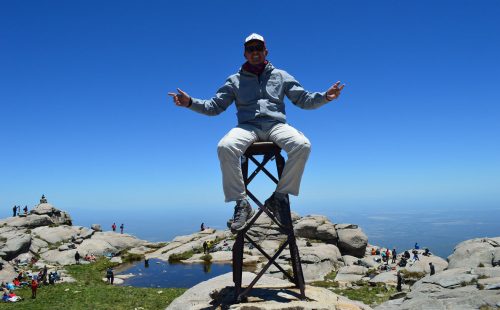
x: 399, y: 282
x: 394, y: 255
x: 121, y: 228
x: 113, y: 226
x: 14, y: 210
x: 110, y: 275
x: 259, y: 91
x: 433, y: 270
x: 77, y: 257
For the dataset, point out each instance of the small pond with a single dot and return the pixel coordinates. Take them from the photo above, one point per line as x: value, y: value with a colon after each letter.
x: 164, y: 274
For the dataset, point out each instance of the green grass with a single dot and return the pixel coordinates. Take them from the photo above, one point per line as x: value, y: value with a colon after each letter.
x: 90, y: 292
x: 368, y: 294
x: 132, y: 257
x: 175, y: 258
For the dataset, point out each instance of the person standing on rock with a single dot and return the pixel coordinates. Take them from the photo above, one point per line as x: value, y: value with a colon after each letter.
x: 400, y: 281
x: 77, y: 257
x: 113, y: 226
x: 121, y: 228
x: 25, y: 209
x: 394, y: 254
x: 433, y: 270
x: 14, y: 210
x: 110, y: 275
x: 259, y: 90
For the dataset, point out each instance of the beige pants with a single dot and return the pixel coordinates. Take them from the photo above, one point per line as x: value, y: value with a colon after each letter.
x: 234, y: 144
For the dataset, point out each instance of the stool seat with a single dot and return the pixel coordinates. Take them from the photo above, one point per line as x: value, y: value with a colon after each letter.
x: 262, y: 148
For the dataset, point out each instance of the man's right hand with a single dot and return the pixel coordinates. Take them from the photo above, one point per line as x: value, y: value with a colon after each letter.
x: 182, y: 99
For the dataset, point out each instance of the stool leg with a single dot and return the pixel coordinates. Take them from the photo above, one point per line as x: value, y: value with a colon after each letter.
x: 238, y: 263
x: 294, y: 250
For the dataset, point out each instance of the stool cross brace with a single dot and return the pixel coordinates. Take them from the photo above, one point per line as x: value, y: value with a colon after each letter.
x: 269, y: 151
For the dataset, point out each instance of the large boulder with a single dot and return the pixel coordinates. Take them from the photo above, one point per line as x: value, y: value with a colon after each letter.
x: 56, y: 234
x: 58, y: 217
x: 352, y: 240
x: 268, y: 293
x: 316, y: 227
x: 14, y: 244
x: 475, y: 252
x: 31, y: 221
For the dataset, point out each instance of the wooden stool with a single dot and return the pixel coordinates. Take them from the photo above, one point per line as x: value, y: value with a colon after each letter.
x: 270, y: 151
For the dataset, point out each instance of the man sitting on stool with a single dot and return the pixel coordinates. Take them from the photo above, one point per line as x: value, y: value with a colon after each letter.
x: 259, y: 90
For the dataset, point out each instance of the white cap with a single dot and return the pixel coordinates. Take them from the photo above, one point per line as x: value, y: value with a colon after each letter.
x: 254, y: 36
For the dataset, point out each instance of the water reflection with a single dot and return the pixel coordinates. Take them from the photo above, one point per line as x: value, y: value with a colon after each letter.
x: 157, y: 273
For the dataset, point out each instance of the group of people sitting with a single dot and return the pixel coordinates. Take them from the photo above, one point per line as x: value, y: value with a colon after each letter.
x: 28, y: 279
x: 405, y: 256
x: 90, y: 257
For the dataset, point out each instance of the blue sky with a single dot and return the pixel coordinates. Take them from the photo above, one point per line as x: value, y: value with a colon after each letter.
x: 85, y: 118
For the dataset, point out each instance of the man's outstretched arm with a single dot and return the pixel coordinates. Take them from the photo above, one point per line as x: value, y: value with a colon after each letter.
x: 218, y: 104
x: 309, y: 100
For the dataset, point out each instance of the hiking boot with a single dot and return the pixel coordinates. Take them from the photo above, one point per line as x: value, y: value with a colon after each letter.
x: 278, y: 208
x: 242, y: 214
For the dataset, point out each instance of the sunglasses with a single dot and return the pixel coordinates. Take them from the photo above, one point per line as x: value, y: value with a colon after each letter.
x: 254, y: 48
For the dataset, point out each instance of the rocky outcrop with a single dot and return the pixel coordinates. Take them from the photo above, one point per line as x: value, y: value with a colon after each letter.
x: 316, y: 227
x: 475, y: 252
x: 351, y: 240
x: 15, y: 243
x: 30, y: 221
x: 269, y: 293
x: 57, y: 216
x: 463, y: 285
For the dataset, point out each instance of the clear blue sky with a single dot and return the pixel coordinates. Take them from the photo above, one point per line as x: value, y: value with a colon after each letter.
x: 85, y: 118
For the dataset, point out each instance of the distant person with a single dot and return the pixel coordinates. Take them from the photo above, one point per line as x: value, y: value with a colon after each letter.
x: 18, y: 210
x: 417, y: 247
x: 14, y: 210
x: 113, y: 226
x: 373, y: 252
x: 202, y: 227
x: 110, y: 275
x: 415, y: 256
x: 34, y: 286
x: 400, y: 281
x: 388, y: 254
x: 377, y: 251
x: 407, y: 255
x: 77, y: 257
x: 44, y: 275
x: 433, y: 270
x: 121, y: 228
x: 205, y: 247
x: 394, y: 254
x: 25, y: 209
x: 384, y: 257
x: 426, y: 252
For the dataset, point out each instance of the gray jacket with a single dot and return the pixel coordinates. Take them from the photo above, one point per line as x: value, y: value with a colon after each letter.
x: 259, y: 97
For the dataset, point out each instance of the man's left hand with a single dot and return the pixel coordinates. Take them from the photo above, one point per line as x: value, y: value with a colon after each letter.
x: 334, y: 91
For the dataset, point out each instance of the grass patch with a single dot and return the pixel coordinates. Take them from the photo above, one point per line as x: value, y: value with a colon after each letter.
x: 132, y: 257
x: 412, y: 274
x: 175, y: 258
x: 90, y: 292
x: 370, y: 295
x: 207, y: 258
x: 157, y: 245
x: 328, y: 281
